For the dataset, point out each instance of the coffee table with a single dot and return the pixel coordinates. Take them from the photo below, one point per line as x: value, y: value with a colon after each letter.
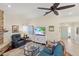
x: 32, y: 51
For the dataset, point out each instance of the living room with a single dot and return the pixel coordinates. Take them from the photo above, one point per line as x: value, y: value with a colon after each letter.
x: 27, y: 20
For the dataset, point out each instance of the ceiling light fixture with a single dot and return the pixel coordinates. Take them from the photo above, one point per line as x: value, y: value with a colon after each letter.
x: 70, y: 13
x: 9, y: 6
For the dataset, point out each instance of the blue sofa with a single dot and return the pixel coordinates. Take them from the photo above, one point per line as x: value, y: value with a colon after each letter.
x: 45, y: 52
x: 58, y: 51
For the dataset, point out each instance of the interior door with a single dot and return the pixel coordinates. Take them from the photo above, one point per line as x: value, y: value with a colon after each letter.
x: 64, y: 32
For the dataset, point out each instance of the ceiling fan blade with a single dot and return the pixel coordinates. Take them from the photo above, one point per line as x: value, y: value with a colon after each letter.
x: 55, y: 5
x: 43, y: 8
x: 56, y: 13
x: 65, y: 7
x: 47, y: 13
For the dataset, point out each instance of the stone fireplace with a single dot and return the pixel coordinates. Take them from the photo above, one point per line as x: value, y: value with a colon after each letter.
x: 1, y: 26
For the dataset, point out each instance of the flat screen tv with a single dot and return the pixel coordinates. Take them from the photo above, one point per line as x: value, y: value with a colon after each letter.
x: 39, y: 30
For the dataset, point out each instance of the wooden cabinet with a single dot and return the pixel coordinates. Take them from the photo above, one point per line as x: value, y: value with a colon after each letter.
x: 1, y: 26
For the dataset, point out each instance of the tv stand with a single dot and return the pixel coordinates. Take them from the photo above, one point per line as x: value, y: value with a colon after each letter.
x: 40, y: 39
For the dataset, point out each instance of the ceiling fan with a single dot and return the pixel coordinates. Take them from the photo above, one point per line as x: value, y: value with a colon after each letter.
x: 55, y: 7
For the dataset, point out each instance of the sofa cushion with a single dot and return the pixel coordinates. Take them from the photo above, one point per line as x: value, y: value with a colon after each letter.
x: 59, y: 50
x: 53, y: 48
x: 42, y: 53
x: 47, y: 50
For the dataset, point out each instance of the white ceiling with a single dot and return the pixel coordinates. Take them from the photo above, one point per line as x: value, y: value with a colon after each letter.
x: 29, y: 10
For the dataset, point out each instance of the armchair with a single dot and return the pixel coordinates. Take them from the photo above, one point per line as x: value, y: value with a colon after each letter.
x: 17, y: 41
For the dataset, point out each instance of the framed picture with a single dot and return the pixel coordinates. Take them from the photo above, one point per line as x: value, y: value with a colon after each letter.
x: 15, y: 28
x: 51, y: 28
x: 77, y: 30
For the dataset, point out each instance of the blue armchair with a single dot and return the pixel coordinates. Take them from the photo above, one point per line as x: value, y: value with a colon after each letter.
x: 17, y: 41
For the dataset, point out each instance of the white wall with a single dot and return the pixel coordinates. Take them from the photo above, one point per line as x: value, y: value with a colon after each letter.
x: 13, y: 19
x: 55, y: 21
